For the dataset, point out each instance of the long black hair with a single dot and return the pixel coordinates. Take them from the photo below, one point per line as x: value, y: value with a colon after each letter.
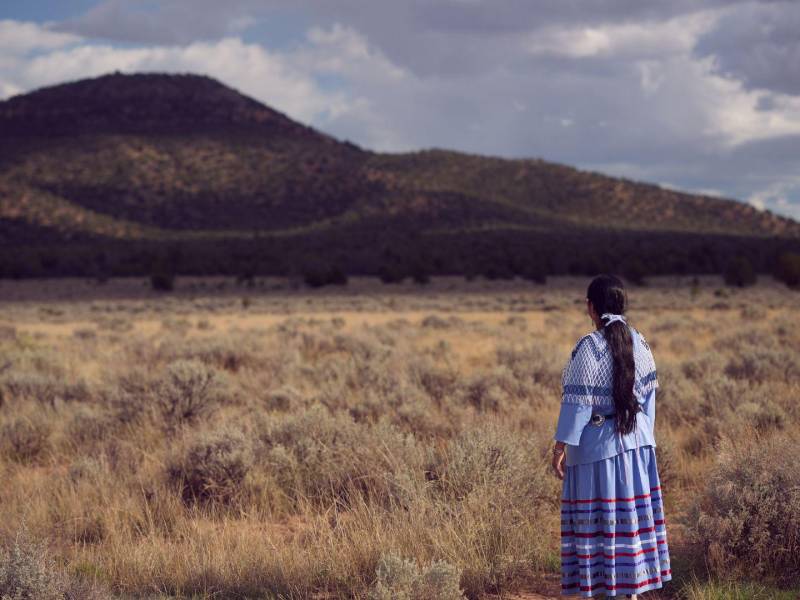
x: 607, y: 294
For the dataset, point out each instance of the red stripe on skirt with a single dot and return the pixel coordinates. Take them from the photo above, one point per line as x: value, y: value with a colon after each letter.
x: 586, y: 588
x: 612, y: 534
x: 653, y: 489
x: 608, y: 535
x: 637, y: 553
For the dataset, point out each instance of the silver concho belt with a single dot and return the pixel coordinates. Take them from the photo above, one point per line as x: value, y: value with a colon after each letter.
x: 598, y: 419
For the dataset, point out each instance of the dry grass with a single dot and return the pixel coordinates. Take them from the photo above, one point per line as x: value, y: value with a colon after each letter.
x: 372, y: 443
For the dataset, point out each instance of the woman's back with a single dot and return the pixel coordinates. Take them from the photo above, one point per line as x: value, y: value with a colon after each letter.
x: 587, y: 390
x: 613, y: 528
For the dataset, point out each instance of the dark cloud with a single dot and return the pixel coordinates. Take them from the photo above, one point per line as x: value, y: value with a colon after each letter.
x: 167, y: 22
x: 412, y: 33
x: 621, y: 86
x: 759, y: 45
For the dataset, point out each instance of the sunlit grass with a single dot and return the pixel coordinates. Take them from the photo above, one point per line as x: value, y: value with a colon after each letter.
x: 198, y: 446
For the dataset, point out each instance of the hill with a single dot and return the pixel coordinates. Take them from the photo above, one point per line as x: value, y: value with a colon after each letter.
x: 130, y: 167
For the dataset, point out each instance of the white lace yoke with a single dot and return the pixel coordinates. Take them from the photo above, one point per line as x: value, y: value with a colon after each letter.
x: 587, y: 377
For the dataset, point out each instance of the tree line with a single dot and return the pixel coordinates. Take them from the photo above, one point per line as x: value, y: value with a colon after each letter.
x: 399, y: 254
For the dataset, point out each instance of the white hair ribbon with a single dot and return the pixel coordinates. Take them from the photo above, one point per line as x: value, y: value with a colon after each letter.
x: 612, y: 317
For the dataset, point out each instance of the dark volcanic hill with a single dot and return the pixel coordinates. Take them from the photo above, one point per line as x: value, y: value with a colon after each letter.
x: 184, y: 159
x: 143, y: 103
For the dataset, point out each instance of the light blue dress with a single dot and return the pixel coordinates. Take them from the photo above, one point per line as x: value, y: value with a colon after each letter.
x: 613, y: 528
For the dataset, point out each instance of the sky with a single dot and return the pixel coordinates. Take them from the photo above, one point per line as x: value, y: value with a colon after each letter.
x: 696, y: 95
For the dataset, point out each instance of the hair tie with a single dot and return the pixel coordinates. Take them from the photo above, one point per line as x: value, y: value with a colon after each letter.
x: 612, y: 317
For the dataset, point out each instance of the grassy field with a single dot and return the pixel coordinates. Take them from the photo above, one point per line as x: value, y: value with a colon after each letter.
x: 371, y: 441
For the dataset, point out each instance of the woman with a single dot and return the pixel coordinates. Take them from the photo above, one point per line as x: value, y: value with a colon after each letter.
x: 613, y: 531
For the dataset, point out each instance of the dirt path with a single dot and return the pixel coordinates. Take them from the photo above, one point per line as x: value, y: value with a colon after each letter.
x: 548, y: 587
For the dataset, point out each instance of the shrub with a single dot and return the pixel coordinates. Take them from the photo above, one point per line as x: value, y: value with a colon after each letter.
x: 534, y: 270
x: 437, y: 381
x: 395, y: 578
x: 162, y: 275
x: 162, y: 281
x: 634, y: 270
x: 28, y: 573
x: 212, y: 467
x: 485, y: 393
x: 759, y: 365
x: 746, y: 338
x: 753, y: 313
x: 437, y: 322
x: 319, y: 275
x: 282, y: 399
x: 25, y: 439
x: 531, y: 363
x: 43, y: 387
x: 739, y: 272
x: 764, y: 414
x: 225, y: 352
x: 787, y: 269
x: 327, y: 457
x: 87, y: 427
x: 402, y: 579
x: 188, y: 390
x: 702, y: 366
x: 391, y: 273
x: 491, y: 459
x: 746, y: 520
x: 420, y: 274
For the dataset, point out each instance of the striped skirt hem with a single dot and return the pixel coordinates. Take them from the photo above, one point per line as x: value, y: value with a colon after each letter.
x: 613, y: 528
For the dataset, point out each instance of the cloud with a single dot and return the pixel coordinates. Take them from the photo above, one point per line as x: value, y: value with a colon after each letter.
x: 776, y: 197
x: 19, y: 38
x: 685, y: 92
x: 645, y: 40
x: 269, y: 76
x: 168, y: 22
x: 758, y: 45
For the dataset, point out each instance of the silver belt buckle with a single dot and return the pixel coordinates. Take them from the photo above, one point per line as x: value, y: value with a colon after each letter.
x: 598, y: 419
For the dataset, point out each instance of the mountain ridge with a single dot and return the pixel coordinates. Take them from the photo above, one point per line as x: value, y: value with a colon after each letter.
x: 141, y: 103
x: 179, y: 157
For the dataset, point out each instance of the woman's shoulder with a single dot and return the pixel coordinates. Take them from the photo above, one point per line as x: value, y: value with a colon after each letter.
x: 593, y: 341
x: 596, y: 341
x: 638, y: 334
